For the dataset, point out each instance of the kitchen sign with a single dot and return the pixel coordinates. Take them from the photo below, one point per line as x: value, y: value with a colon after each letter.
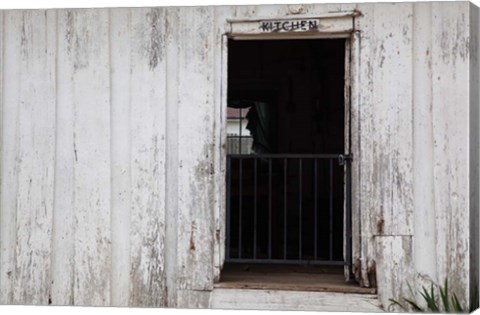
x: 333, y: 23
x: 288, y: 26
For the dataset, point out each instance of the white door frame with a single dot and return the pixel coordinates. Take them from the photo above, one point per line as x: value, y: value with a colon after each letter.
x: 327, y: 26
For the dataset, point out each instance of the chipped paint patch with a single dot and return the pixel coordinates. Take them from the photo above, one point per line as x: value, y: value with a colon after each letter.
x: 156, y: 38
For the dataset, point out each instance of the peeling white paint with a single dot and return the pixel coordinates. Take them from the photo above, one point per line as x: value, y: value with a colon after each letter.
x: 112, y: 149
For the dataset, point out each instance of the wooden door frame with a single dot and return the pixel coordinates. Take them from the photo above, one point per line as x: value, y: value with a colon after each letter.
x: 331, y: 25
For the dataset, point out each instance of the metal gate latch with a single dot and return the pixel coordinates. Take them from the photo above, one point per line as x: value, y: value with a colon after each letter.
x: 343, y: 158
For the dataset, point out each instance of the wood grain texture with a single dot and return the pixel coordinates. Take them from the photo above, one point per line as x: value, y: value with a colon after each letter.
x: 9, y: 182
x: 112, y: 152
x: 9, y: 170
x: 362, y: 93
x: 450, y: 110
x: 388, y: 161
x: 121, y: 153
x: 194, y: 299
x: 288, y: 278
x: 220, y: 137
x: 87, y: 35
x: 147, y: 157
x: 384, y: 116
x: 195, y: 227
x: 424, y: 194
x: 291, y: 300
x: 63, y: 240
x: 35, y: 157
x: 34, y: 149
x: 395, y: 269
x: 171, y: 147
x: 355, y: 149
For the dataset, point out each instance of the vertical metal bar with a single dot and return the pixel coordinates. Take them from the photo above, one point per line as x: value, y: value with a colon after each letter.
x: 300, y: 197
x: 270, y: 208
x: 255, y: 208
x: 228, y: 216
x: 240, y: 196
x: 284, y: 209
x: 331, y: 210
x: 315, y: 206
x: 349, y: 213
x: 240, y: 132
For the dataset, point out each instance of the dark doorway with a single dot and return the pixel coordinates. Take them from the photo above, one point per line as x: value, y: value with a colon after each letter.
x: 286, y: 133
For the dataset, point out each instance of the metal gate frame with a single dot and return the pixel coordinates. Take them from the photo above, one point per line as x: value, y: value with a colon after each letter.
x: 341, y: 159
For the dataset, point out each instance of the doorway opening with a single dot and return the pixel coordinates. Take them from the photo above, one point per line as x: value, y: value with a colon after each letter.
x: 287, y: 172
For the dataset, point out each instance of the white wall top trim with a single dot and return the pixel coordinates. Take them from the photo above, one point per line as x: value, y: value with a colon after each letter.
x: 328, y: 15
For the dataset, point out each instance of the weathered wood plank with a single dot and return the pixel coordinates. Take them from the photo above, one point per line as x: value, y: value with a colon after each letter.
x: 362, y: 147
x: 450, y: 114
x: 63, y: 243
x: 194, y: 299
x: 171, y: 147
x: 355, y: 132
x: 391, y: 116
x: 395, y: 270
x: 35, y: 156
x: 271, y: 278
x: 89, y: 49
x: 313, y: 8
x: 171, y: 169
x: 147, y: 121
x: 424, y: 216
x: 385, y: 101
x: 9, y: 167
x: 121, y: 96
x: 291, y: 300
x: 195, y: 149
x: 28, y: 105
x: 220, y: 86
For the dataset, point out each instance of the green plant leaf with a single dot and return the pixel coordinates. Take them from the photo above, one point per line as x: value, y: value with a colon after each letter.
x: 414, y: 305
x: 444, y: 297
x: 457, y: 308
x: 445, y: 302
x: 395, y: 302
x: 429, y: 298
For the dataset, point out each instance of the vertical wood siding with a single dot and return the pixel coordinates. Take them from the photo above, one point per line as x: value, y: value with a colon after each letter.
x: 121, y: 194
x: 63, y: 242
x: 425, y: 241
x: 450, y: 113
x: 112, y: 150
x: 195, y: 228
x: 385, y: 146
x: 30, y: 109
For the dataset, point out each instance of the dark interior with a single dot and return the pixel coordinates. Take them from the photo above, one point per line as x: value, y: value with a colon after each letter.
x: 300, y: 84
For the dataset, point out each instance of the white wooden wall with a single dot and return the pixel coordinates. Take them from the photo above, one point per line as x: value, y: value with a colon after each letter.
x: 112, y: 150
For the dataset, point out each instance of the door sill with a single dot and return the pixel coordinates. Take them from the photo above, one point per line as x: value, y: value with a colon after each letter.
x: 288, y: 278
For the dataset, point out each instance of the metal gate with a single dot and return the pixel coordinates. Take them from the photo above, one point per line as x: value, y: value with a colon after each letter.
x: 289, y: 209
